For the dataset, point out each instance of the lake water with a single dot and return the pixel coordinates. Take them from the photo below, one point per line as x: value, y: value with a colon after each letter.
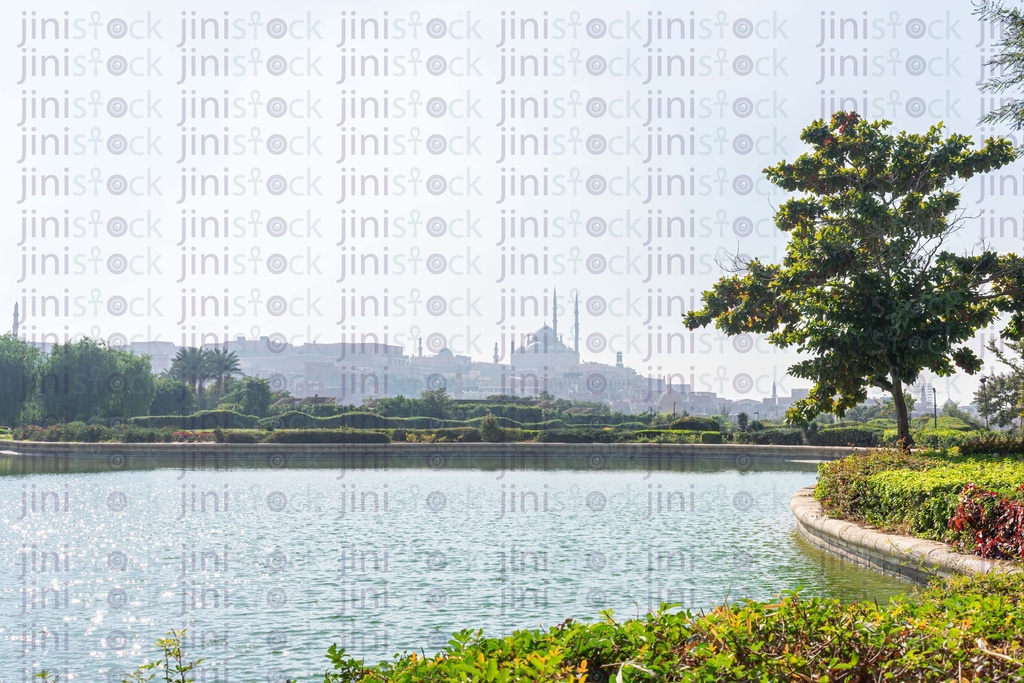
x: 268, y: 567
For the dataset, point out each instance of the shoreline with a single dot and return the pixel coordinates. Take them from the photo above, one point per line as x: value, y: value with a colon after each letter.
x: 618, y: 450
x: 905, y: 557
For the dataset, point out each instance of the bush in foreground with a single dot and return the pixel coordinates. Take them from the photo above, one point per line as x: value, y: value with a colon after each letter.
x: 966, y: 630
x: 963, y: 629
x: 989, y: 524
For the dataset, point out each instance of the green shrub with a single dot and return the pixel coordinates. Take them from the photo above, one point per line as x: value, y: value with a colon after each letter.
x: 225, y: 419
x: 489, y: 429
x: 666, y: 436
x: 326, y: 436
x: 579, y: 435
x: 944, y: 422
x: 455, y: 435
x: 159, y: 421
x: 842, y: 484
x: 989, y: 443
x: 548, y: 424
x: 502, y: 422
x: 512, y: 412
x: 67, y: 432
x: 711, y: 437
x: 133, y: 434
x: 923, y: 501
x: 971, y: 626
x: 519, y: 435
x: 845, y: 436
x: 773, y: 436
x: 696, y: 424
x: 943, y: 438
x: 204, y: 419
x: 239, y: 435
x: 422, y: 423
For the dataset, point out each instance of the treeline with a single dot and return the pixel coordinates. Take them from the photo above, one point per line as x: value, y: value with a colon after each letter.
x: 87, y: 381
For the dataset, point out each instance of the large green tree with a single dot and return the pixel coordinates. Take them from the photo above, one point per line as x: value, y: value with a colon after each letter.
x: 191, y: 365
x: 172, y: 398
x: 865, y: 290
x: 222, y: 366
x: 252, y: 395
x: 133, y: 387
x: 19, y: 373
x: 85, y: 379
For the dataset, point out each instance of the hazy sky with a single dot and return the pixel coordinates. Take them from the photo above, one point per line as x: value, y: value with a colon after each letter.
x: 663, y: 111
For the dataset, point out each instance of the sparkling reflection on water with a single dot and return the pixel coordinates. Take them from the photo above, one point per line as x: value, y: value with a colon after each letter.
x: 268, y: 567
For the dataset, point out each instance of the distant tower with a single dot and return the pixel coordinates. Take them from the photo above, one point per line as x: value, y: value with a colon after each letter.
x: 554, y: 314
x: 576, y: 316
x: 495, y: 353
x: 421, y: 346
x: 14, y: 330
x: 618, y: 359
x: 775, y: 396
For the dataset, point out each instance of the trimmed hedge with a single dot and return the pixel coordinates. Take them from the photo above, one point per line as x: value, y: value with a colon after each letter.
x: 504, y: 411
x: 842, y: 484
x: 711, y: 437
x: 944, y: 422
x: 696, y: 424
x: 446, y: 435
x: 941, y: 438
x: 773, y: 436
x: 845, y: 436
x: 991, y: 444
x: 923, y: 501
x: 204, y: 419
x: 299, y: 420
x: 579, y: 435
x: 912, y: 492
x: 667, y: 435
x: 79, y: 432
x: 326, y: 436
x: 239, y: 435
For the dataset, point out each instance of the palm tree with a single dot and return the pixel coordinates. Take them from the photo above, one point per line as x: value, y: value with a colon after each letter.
x: 191, y: 365
x: 223, y: 364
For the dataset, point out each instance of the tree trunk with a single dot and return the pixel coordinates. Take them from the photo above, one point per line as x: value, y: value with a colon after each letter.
x: 903, y: 437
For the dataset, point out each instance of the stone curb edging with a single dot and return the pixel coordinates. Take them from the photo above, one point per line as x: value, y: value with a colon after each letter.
x: 415, y: 450
x: 905, y: 557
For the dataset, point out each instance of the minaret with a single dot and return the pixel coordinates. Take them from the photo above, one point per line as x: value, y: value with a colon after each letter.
x: 576, y: 316
x: 14, y: 330
x: 421, y: 347
x: 495, y: 353
x: 554, y: 314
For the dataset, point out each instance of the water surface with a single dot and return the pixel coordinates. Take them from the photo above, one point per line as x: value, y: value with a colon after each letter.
x: 268, y: 567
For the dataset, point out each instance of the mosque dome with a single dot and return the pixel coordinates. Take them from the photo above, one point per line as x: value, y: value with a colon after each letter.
x: 670, y: 401
x: 544, y: 341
